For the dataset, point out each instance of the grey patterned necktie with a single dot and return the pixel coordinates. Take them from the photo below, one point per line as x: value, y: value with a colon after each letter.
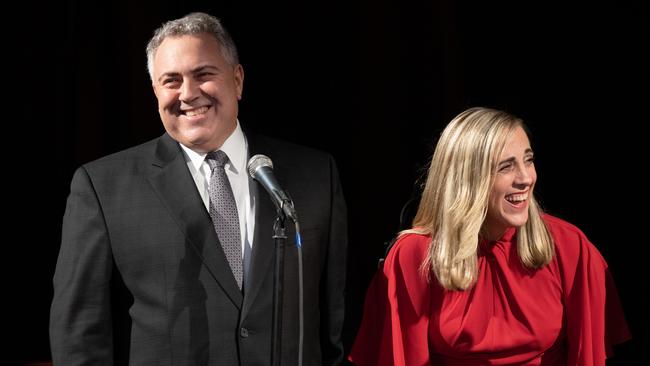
x: 223, y: 211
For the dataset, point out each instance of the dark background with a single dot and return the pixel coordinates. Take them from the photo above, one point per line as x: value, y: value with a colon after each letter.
x: 373, y: 83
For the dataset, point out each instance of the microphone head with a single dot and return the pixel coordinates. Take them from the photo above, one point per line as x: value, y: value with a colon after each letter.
x: 256, y: 162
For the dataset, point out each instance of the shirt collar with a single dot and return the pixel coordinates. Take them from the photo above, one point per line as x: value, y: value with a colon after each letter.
x: 506, y: 237
x: 235, y: 147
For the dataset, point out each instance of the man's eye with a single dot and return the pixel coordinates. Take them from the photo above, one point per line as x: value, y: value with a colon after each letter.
x: 203, y: 75
x: 170, y: 82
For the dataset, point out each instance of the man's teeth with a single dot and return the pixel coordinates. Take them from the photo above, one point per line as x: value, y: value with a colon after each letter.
x: 517, y: 197
x: 194, y: 112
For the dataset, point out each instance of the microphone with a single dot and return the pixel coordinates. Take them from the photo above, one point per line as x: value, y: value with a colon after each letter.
x: 260, y: 168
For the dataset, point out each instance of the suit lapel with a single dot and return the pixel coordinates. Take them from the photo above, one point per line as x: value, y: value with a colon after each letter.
x: 263, y: 253
x: 175, y: 187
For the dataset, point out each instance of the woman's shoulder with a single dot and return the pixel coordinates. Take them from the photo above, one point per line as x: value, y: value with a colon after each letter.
x: 412, y: 240
x: 564, y: 231
x: 557, y: 224
x: 571, y: 243
x: 409, y: 246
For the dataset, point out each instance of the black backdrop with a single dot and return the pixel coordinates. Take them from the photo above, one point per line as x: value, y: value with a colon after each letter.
x: 372, y: 82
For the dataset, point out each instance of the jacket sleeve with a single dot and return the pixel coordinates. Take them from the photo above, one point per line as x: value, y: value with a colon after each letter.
x: 394, y: 328
x: 333, y: 288
x: 80, y: 319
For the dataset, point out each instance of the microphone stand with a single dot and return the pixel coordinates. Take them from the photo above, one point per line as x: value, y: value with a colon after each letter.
x: 280, y: 237
x: 260, y: 168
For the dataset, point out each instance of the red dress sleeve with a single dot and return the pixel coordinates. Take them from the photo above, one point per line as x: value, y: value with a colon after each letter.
x: 394, y: 328
x: 594, y: 316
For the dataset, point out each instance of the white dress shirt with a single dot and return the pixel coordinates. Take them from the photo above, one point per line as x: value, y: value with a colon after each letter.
x: 236, y: 147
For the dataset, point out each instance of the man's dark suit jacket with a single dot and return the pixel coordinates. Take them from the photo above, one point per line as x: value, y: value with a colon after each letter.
x: 141, y: 278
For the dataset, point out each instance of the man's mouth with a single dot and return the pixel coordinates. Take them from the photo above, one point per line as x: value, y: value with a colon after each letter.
x: 196, y: 111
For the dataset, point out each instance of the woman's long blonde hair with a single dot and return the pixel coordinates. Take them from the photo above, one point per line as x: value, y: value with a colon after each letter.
x: 455, y: 199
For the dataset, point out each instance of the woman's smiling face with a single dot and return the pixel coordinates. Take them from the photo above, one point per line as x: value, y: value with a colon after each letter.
x: 513, y: 186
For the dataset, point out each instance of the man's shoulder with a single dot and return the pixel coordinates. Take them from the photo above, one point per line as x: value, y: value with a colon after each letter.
x: 128, y: 156
x: 276, y: 148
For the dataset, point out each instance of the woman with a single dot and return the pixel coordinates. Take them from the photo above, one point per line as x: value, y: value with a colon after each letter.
x: 484, y: 277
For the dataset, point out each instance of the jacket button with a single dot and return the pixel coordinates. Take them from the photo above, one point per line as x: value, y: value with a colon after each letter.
x: 243, y: 332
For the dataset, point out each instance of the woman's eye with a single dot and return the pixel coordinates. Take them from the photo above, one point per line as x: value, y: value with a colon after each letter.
x: 505, y: 167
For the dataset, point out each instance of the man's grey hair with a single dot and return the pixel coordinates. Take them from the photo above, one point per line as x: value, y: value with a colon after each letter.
x: 191, y: 24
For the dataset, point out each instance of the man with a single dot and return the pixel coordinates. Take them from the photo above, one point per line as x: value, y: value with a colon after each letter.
x: 145, y: 275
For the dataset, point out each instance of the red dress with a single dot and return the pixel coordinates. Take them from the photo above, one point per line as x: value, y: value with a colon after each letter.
x: 566, y: 313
